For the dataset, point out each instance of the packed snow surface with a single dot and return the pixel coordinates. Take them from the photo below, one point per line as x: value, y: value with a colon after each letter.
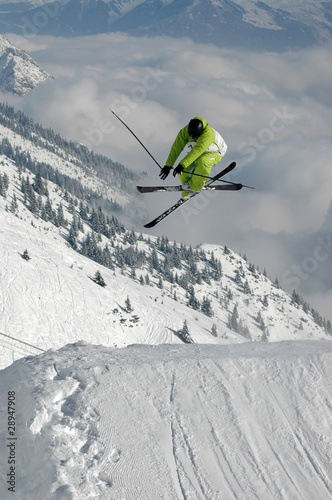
x: 249, y: 421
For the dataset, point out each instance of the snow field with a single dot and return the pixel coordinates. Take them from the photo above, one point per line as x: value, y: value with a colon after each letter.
x: 248, y: 421
x: 51, y: 300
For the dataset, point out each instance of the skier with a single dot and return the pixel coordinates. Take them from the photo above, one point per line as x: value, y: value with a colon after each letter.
x: 207, y: 148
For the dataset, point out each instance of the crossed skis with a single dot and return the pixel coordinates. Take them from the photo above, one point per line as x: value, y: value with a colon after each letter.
x: 230, y: 187
x: 179, y: 203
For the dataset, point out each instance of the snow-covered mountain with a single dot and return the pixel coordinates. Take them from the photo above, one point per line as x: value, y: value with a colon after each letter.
x: 251, y: 422
x: 170, y: 372
x: 19, y: 73
x: 75, y: 168
x: 52, y: 298
x: 250, y: 23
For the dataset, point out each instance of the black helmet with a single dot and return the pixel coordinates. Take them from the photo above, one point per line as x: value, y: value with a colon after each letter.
x: 195, y: 128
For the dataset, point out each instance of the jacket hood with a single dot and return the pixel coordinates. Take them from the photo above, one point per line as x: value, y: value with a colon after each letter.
x: 201, y: 119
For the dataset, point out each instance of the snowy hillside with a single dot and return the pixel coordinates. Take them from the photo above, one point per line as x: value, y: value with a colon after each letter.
x: 19, y: 73
x: 135, y: 368
x: 269, y: 24
x: 51, y: 299
x: 73, y: 166
x: 246, y: 422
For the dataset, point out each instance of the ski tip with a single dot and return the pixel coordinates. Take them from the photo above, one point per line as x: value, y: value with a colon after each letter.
x: 150, y: 224
x: 139, y: 188
x: 231, y: 166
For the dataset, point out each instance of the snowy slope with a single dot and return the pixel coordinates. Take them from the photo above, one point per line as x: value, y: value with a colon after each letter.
x: 251, y: 422
x: 104, y: 178
x: 19, y: 73
x: 51, y: 300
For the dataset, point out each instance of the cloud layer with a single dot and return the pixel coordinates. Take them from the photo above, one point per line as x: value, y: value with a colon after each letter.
x: 274, y: 111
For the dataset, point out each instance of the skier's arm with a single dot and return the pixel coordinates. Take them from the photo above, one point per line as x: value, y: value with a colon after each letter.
x: 177, y: 147
x: 202, y: 144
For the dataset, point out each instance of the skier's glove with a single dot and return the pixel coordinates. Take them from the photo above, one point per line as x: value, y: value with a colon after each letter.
x: 178, y: 170
x: 164, y: 172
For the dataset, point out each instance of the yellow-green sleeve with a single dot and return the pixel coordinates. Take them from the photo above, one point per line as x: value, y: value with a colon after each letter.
x: 202, y: 144
x: 177, y: 147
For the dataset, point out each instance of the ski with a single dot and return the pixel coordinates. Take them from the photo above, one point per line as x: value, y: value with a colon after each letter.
x: 172, y: 189
x: 179, y: 203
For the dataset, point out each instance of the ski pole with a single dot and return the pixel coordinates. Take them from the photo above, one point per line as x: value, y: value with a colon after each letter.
x: 222, y: 180
x: 141, y: 143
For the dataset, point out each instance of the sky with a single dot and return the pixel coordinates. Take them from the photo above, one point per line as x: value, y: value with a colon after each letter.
x: 273, y: 110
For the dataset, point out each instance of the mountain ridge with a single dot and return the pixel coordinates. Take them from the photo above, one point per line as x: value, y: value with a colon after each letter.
x: 228, y: 24
x: 19, y: 73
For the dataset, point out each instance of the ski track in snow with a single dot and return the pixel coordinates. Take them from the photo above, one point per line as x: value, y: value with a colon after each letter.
x: 173, y: 422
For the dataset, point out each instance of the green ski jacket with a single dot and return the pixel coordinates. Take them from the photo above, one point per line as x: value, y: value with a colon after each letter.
x: 209, y: 141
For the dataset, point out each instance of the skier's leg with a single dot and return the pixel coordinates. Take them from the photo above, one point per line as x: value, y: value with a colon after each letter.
x: 185, y: 177
x: 203, y: 167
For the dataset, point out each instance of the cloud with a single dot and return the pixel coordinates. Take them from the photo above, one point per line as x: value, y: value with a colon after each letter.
x: 274, y: 110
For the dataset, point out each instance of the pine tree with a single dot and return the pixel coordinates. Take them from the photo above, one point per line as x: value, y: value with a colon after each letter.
x: 260, y: 321
x: 206, y: 307
x: 49, y: 209
x: 26, y: 255
x: 185, y: 334
x: 14, y: 205
x: 193, y: 302
x: 38, y: 185
x: 133, y: 273
x: 229, y: 293
x: 154, y: 261
x: 238, y: 277
x: 233, y: 323
x: 214, y: 330
x: 128, y: 306
x: 73, y: 233
x: 243, y: 330
x: 61, y: 216
x: 99, y: 279
x: 33, y: 204
x: 83, y: 211
x: 296, y: 298
x: 246, y: 288
x: 4, y: 184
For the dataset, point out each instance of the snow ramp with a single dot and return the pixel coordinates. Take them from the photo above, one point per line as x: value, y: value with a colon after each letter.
x: 169, y: 422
